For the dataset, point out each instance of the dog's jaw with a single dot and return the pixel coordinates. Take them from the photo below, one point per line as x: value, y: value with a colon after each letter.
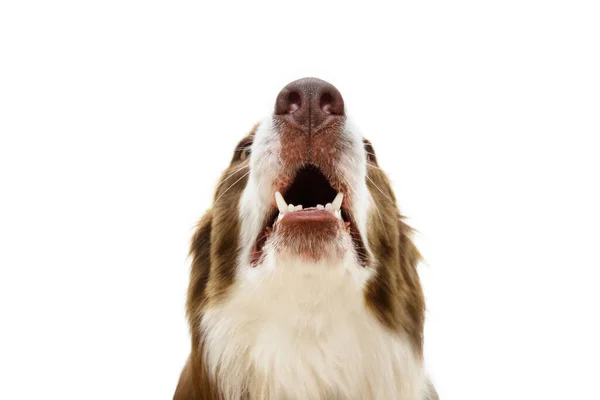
x: 267, y: 174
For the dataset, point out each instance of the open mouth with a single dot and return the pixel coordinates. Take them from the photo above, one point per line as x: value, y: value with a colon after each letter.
x: 310, y: 199
x: 309, y: 191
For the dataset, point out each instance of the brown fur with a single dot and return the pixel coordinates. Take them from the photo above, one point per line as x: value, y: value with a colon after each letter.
x: 394, y: 295
x: 322, y: 149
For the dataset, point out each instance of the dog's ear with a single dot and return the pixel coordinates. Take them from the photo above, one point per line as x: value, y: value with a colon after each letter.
x: 415, y: 306
x: 194, y: 383
x: 200, y: 269
x: 409, y: 254
x: 371, y: 156
x: 185, y: 388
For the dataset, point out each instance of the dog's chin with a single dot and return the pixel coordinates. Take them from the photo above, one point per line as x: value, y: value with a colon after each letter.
x: 312, y: 240
x: 311, y: 236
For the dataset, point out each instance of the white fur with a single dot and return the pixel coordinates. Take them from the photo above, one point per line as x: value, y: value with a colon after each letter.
x: 291, y: 330
x: 296, y: 330
x: 258, y: 193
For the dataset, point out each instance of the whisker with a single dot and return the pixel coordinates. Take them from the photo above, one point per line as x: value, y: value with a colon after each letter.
x: 233, y: 184
x: 262, y: 237
x: 382, y: 222
x: 360, y: 247
x: 380, y: 191
x: 374, y: 166
x: 241, y: 148
x: 231, y: 174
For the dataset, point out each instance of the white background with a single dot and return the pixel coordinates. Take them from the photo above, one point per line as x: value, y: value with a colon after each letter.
x: 117, y: 117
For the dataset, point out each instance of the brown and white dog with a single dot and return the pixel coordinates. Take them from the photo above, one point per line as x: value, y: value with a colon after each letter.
x: 304, y: 279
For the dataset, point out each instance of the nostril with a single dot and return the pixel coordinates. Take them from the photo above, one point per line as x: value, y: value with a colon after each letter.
x: 294, y: 101
x: 325, y: 103
x: 288, y: 101
x: 330, y: 105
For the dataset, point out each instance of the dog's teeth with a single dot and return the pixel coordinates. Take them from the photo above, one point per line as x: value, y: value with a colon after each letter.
x: 290, y: 207
x: 338, y: 214
x: 328, y: 207
x: 320, y: 207
x: 298, y: 207
x: 281, y: 204
x: 337, y: 202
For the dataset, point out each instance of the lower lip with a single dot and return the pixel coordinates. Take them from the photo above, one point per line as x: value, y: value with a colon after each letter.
x: 309, y: 215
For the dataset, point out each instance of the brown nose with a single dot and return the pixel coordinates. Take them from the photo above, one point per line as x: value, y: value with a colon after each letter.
x: 309, y: 102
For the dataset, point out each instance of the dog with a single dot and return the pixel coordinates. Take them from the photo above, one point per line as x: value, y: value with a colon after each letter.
x: 304, y: 280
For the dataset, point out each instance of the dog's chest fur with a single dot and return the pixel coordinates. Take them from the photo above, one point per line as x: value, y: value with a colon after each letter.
x: 285, y: 334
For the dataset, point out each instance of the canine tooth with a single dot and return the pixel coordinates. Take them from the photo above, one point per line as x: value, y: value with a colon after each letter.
x: 338, y: 214
x: 320, y: 207
x: 336, y: 204
x: 328, y: 207
x: 290, y: 207
x: 298, y: 207
x: 281, y: 204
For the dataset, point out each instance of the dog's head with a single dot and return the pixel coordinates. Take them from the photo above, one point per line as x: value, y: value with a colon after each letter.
x: 303, y: 208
